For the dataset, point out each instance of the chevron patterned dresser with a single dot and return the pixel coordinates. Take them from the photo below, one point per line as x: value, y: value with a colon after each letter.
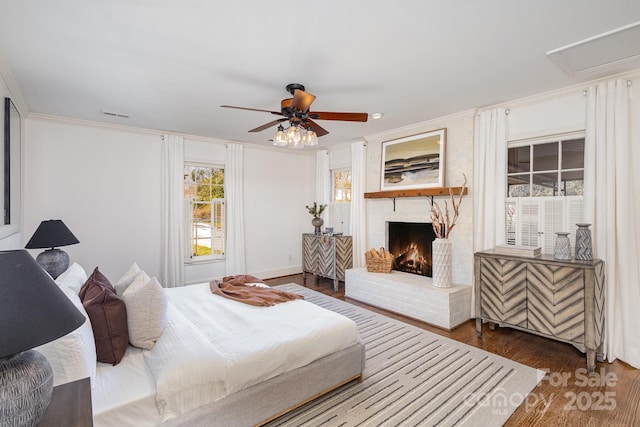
x: 326, y: 256
x: 561, y: 300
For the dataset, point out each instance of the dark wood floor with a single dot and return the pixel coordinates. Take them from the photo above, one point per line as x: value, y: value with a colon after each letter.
x: 566, y: 397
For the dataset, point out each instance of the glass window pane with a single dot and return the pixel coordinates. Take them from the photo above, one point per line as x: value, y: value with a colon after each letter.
x: 573, y: 154
x: 518, y: 185
x: 545, y: 157
x: 519, y: 159
x: 200, y: 175
x: 217, y: 192
x: 544, y: 184
x: 572, y: 183
x: 202, y: 212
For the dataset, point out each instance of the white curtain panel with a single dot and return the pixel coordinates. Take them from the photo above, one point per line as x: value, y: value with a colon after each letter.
x: 489, y: 178
x: 611, y: 206
x: 323, y: 183
x: 358, y: 207
x: 489, y: 181
x: 172, y: 233
x: 233, y: 193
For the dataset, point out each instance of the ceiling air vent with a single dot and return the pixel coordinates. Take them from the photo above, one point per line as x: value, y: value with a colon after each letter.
x: 612, y: 52
x: 119, y: 115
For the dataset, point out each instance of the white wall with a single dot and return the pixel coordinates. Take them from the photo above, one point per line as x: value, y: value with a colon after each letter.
x: 104, y: 183
x: 548, y: 115
x: 278, y: 185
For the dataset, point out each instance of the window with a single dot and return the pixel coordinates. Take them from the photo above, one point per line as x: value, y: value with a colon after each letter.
x: 545, y: 189
x: 340, y: 206
x: 341, y: 186
x: 204, y: 211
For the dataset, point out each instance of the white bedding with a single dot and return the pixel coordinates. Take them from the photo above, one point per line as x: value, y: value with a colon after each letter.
x: 213, y: 347
x: 125, y: 392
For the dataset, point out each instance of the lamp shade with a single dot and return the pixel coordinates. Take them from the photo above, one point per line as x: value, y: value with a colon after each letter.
x: 50, y: 234
x: 33, y: 310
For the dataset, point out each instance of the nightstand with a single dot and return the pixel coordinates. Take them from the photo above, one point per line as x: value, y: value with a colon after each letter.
x: 70, y: 406
x: 326, y: 256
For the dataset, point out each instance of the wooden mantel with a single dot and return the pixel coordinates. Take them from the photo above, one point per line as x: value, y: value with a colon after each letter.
x: 423, y: 192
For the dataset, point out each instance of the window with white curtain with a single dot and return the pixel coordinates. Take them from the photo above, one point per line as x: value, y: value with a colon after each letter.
x: 204, y: 211
x: 545, y: 189
x: 340, y: 205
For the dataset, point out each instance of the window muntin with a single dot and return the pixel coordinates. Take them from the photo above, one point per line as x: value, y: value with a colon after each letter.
x: 204, y: 211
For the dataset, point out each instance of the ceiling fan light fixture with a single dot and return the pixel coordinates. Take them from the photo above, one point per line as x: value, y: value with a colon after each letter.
x: 296, y: 144
x: 309, y: 138
x: 280, y: 139
x: 294, y: 137
x: 303, y: 131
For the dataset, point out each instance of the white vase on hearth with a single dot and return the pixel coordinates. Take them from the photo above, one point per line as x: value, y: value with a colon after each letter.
x: 441, y: 260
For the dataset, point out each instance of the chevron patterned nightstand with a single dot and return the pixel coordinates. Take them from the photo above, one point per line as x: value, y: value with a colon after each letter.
x: 326, y: 256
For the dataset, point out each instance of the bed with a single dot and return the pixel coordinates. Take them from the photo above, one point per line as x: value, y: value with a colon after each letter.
x: 217, y: 362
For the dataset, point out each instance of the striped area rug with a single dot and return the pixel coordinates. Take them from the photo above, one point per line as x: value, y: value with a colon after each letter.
x: 414, y: 378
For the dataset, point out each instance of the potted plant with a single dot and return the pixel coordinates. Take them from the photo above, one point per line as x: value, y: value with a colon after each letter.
x: 443, y: 223
x: 316, y: 210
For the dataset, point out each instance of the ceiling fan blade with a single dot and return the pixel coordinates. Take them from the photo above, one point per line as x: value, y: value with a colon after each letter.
x: 319, y: 130
x: 345, y: 117
x: 252, y: 109
x: 268, y: 125
x: 302, y: 100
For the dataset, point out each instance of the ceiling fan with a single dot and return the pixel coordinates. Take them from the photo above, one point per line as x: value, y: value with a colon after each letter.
x: 296, y: 111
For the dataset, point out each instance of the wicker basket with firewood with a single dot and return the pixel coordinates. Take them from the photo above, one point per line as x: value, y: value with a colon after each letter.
x: 378, y: 261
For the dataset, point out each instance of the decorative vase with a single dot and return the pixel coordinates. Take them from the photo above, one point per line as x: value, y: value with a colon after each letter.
x: 584, y: 251
x: 562, y: 248
x: 317, y: 223
x: 441, y: 256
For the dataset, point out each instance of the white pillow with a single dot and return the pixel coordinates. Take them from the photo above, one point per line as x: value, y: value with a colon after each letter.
x: 126, y: 279
x: 146, y: 305
x: 73, y: 277
x: 72, y: 356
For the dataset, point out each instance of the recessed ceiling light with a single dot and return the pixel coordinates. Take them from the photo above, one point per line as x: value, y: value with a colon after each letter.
x: 376, y: 116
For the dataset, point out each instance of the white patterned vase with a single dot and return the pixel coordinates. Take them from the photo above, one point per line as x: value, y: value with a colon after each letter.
x: 441, y: 256
x: 562, y: 248
x: 584, y: 251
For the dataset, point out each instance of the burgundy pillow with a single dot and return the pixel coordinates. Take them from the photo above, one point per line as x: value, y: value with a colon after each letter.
x: 108, y: 316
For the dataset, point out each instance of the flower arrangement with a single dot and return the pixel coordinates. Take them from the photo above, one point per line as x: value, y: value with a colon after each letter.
x: 316, y: 209
x: 442, y: 222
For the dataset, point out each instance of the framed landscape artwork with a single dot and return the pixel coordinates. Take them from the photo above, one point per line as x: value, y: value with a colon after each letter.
x: 414, y: 162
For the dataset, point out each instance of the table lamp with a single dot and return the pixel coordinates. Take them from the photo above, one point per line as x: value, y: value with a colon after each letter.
x: 50, y: 234
x: 33, y: 311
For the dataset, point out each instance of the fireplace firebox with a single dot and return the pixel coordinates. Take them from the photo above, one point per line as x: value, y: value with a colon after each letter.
x: 410, y: 244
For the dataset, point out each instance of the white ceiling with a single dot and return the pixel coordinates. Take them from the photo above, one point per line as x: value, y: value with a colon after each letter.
x: 170, y: 64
